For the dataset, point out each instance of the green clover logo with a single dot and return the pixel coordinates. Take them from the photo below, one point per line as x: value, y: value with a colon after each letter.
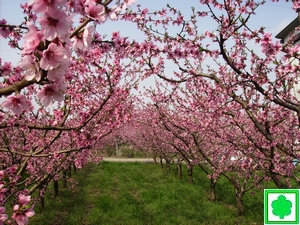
x: 281, y: 207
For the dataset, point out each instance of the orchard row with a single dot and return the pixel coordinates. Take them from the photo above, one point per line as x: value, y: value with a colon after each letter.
x: 225, y: 106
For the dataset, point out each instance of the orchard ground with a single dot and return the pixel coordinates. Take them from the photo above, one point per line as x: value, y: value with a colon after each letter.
x: 142, y: 193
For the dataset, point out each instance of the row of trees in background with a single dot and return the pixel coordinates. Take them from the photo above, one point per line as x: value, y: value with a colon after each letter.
x: 217, y: 145
x: 238, y: 119
x: 72, y: 93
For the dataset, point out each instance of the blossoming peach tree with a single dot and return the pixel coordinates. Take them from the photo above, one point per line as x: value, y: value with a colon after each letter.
x: 68, y: 91
x: 228, y: 106
x: 254, y: 87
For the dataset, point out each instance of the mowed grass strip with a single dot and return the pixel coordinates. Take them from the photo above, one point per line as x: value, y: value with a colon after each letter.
x: 143, y: 193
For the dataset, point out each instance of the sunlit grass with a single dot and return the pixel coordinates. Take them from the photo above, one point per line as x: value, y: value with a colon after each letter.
x: 143, y: 193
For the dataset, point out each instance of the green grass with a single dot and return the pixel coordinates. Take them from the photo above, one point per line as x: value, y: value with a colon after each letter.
x: 143, y: 193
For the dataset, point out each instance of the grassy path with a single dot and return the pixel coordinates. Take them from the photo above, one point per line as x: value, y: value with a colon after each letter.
x: 142, y: 193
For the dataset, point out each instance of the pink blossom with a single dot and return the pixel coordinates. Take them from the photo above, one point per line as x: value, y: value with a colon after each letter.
x: 115, y: 35
x: 128, y: 3
x: 113, y: 13
x: 52, y: 57
x: 16, y: 207
x: 3, y: 190
x: 3, y: 216
x: 32, y: 39
x: 54, y: 23
x: 267, y: 38
x: 2, y: 173
x: 83, y: 40
x: 88, y: 36
x: 19, y: 218
x: 4, y: 31
x: 50, y: 93
x: 6, y: 68
x: 31, y: 68
x: 16, y: 103
x: 40, y: 6
x: 27, y: 9
x: 24, y: 199
x: 12, y: 169
x: 77, y: 5
x: 271, y: 49
x: 60, y: 82
x: 22, y: 210
x: 296, y: 5
x: 58, y: 72
x: 95, y: 11
x: 267, y: 45
x: 29, y: 212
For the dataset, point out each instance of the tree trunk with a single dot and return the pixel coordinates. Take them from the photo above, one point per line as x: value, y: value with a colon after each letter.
x: 55, y: 184
x: 42, y: 199
x: 190, y: 173
x: 161, y: 162
x: 70, y: 171
x: 168, y: 163
x: 118, y: 150
x: 42, y: 190
x: 74, y: 168
x: 65, y: 178
x: 179, y: 169
x: 154, y: 159
x: 239, y: 202
x: 212, y: 194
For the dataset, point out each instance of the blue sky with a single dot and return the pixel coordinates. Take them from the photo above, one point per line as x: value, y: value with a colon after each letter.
x: 273, y: 16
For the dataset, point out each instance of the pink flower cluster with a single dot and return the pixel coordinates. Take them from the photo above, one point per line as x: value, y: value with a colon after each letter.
x: 50, y: 93
x: 17, y: 103
x: 49, y: 41
x: 83, y: 40
x: 4, y: 31
x: 23, y: 210
x: 268, y: 47
x: 46, y: 49
x: 3, y: 216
